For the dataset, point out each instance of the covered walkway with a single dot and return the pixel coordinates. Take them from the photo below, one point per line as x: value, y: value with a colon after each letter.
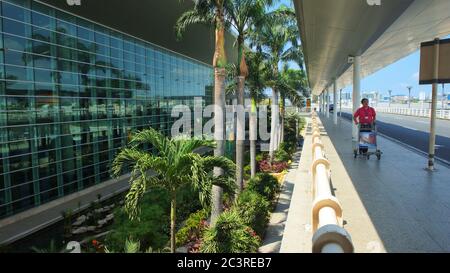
x: 392, y: 205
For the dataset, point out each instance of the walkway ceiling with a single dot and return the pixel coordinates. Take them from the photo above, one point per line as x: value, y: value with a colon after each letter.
x: 332, y: 30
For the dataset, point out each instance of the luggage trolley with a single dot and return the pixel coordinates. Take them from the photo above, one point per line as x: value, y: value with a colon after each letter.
x: 367, y: 142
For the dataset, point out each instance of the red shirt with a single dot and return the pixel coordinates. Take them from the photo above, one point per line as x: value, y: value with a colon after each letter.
x: 365, y: 115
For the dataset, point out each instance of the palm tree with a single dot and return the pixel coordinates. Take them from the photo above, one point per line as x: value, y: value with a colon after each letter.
x: 211, y: 13
x: 256, y: 84
x: 292, y: 85
x: 278, y: 30
x: 175, y: 164
x: 242, y: 16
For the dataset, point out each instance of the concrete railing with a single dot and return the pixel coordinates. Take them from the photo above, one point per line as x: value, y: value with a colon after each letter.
x: 417, y: 112
x: 327, y: 222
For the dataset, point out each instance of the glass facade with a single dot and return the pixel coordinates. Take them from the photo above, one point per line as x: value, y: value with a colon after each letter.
x: 71, y: 92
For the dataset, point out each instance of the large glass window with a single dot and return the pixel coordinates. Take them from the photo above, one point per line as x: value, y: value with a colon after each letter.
x: 74, y: 93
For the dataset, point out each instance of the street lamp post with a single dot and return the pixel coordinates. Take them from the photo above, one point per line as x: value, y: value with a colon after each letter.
x: 390, y: 98
x: 409, y: 96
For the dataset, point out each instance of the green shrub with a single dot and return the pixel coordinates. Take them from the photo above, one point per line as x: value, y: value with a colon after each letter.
x: 289, y: 147
x: 193, y: 228
x: 230, y: 235
x: 264, y: 184
x: 282, y: 156
x: 254, y: 210
x: 260, y: 157
x: 247, y: 172
x: 151, y: 230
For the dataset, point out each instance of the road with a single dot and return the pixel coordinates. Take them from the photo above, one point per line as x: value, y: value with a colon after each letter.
x: 413, y: 131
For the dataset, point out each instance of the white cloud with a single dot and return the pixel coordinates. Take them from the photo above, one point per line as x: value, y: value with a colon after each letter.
x: 415, y: 76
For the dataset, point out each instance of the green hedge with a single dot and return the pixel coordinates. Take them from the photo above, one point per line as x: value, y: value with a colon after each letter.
x: 254, y: 210
x: 151, y: 230
x: 192, y: 229
x: 264, y: 184
x: 230, y: 235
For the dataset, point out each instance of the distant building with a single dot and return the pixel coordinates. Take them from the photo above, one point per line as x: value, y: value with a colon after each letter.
x: 400, y: 99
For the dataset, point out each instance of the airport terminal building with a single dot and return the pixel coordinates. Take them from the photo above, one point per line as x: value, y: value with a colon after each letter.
x: 73, y: 87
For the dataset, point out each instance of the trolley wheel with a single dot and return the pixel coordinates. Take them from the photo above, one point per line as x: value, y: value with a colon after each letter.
x: 368, y: 157
x: 379, y: 155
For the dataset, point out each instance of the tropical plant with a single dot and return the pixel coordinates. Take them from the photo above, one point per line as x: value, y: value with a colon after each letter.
x: 256, y: 83
x: 190, y: 234
x: 275, y: 167
x: 292, y: 85
x: 52, y: 248
x: 211, y: 13
x: 264, y: 184
x: 230, y: 235
x: 278, y: 37
x: 174, y: 164
x: 254, y: 210
x: 132, y: 247
x: 153, y: 228
x: 281, y: 155
x: 242, y: 16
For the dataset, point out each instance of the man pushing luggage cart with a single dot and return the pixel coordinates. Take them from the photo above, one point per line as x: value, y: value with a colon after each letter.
x: 365, y: 118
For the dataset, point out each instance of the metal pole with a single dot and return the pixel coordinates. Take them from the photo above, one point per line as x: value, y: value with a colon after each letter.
x: 327, y: 100
x: 356, y: 93
x: 409, y: 96
x: 390, y: 98
x: 340, y: 103
x: 335, y: 109
x: 432, y: 143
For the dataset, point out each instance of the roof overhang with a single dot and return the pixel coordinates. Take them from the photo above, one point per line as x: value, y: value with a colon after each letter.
x: 331, y: 31
x: 152, y: 21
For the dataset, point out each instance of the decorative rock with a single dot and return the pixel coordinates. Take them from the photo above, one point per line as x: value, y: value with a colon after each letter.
x: 80, y: 220
x: 80, y: 230
x: 91, y: 228
x: 109, y: 217
x: 102, y: 222
x: 73, y: 247
x: 182, y: 250
x: 100, y: 210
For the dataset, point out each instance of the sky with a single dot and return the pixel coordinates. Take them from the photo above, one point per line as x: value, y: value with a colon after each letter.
x: 396, y: 77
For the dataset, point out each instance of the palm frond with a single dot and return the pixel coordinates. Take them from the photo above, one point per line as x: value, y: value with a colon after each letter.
x: 152, y: 137
x: 192, y: 17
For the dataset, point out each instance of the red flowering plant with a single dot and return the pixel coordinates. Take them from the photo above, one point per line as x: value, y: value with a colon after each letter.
x: 275, y: 167
x: 99, y: 247
x: 190, y: 234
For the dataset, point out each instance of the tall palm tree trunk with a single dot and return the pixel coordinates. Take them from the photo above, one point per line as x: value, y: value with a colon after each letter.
x: 283, y: 116
x: 173, y: 216
x: 240, y: 135
x: 273, y: 124
x: 240, y: 129
x: 219, y: 135
x: 253, y: 133
x: 219, y: 63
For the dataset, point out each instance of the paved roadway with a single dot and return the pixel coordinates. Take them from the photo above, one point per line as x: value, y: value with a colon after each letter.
x: 413, y: 131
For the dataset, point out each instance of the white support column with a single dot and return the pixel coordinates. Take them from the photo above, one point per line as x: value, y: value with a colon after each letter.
x: 432, y: 142
x: 322, y: 99
x: 356, y: 92
x: 328, y: 102
x: 340, y: 103
x: 335, y: 109
x: 323, y: 103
